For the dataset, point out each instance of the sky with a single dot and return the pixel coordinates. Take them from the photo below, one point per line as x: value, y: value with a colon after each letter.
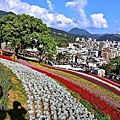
x: 95, y: 16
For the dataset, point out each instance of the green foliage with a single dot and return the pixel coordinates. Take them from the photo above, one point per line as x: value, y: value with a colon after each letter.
x: 113, y: 66
x: 86, y: 104
x: 75, y: 95
x: 109, y: 68
x: 27, y: 31
x: 6, y: 85
x: 62, y: 38
x: 101, y: 116
x: 116, y: 62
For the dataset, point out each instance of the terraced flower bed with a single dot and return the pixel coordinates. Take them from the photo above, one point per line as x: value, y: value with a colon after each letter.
x: 46, y: 98
x: 108, y: 84
x: 99, y: 91
x: 95, y: 101
x: 85, y: 91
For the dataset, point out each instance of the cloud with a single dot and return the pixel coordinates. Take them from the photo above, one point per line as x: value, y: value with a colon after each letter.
x: 19, y: 7
x: 116, y: 21
x: 78, y: 6
x: 58, y: 20
x: 53, y: 19
x: 98, y: 21
x: 50, y: 5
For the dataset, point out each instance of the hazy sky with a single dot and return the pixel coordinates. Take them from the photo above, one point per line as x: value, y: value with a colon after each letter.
x: 96, y: 16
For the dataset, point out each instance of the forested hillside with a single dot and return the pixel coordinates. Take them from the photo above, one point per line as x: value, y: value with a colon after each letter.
x: 2, y: 13
x: 63, y: 38
x: 110, y: 37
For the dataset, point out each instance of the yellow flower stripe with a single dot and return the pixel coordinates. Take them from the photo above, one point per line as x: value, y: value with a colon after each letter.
x: 83, y: 81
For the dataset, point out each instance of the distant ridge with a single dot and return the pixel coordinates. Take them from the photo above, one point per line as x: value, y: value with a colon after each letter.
x: 110, y: 37
x: 83, y: 32
x: 98, y: 37
x: 2, y: 13
x: 79, y: 32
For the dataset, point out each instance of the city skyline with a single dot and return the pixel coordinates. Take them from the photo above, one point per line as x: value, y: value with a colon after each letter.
x: 97, y: 17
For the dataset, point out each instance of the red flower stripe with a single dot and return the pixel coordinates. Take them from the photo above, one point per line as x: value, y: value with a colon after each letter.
x: 6, y: 57
x: 94, y: 100
x: 72, y: 72
x: 92, y: 79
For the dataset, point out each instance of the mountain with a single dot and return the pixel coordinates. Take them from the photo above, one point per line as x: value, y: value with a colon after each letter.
x: 80, y: 32
x: 98, y: 37
x: 2, y: 13
x: 110, y: 37
x: 63, y: 38
x: 64, y: 33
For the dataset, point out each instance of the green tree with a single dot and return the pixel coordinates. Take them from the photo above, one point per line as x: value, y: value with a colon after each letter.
x: 116, y: 62
x: 109, y: 68
x: 27, y: 31
x: 113, y: 66
x: 5, y: 28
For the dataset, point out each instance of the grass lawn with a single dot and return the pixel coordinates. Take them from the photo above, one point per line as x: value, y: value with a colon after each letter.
x: 16, y: 93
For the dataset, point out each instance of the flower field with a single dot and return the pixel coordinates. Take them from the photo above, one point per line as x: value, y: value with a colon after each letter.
x: 100, y: 91
x: 46, y: 98
x: 110, y: 85
x: 94, y: 100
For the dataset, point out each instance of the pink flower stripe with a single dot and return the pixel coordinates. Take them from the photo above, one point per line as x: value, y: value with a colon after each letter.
x: 87, y: 87
x: 85, y: 76
x: 96, y: 92
x: 105, y: 79
x: 94, y: 100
